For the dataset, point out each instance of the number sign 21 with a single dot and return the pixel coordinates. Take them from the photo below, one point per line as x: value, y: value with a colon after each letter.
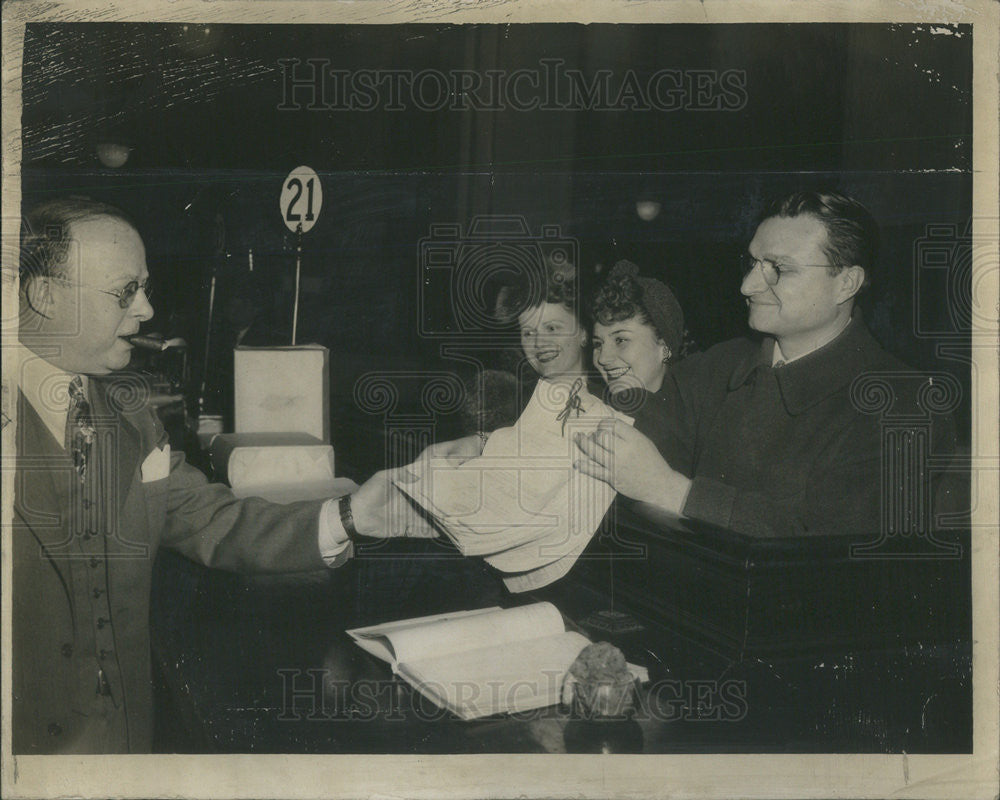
x: 301, y: 199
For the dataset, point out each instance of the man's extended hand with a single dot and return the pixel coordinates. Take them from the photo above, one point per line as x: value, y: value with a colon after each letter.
x: 381, y: 510
x: 629, y: 462
x: 456, y: 451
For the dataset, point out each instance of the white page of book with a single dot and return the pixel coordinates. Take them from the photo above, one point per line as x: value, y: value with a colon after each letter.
x: 375, y: 639
x: 468, y: 633
x: 493, y: 679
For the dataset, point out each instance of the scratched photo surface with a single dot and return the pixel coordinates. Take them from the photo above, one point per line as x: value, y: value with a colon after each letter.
x: 448, y: 158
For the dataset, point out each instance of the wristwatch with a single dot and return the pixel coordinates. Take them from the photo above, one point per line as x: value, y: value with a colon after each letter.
x: 347, y: 518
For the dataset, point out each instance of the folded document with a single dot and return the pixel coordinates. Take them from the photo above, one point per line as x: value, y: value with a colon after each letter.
x: 521, y: 504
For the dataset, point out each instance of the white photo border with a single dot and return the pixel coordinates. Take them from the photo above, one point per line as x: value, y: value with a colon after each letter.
x: 675, y: 776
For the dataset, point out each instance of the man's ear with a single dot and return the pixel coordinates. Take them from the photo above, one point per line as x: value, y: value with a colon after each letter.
x: 850, y: 279
x: 37, y: 295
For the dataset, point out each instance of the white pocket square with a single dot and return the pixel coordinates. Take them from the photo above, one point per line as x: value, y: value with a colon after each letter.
x: 156, y: 467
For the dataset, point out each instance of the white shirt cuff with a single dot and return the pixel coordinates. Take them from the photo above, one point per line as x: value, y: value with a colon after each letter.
x: 333, y: 541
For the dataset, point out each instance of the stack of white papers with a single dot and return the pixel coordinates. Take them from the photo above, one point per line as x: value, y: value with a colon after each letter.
x: 522, y: 505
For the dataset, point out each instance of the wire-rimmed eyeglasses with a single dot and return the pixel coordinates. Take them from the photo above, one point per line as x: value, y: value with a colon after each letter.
x: 771, y: 271
x: 125, y: 295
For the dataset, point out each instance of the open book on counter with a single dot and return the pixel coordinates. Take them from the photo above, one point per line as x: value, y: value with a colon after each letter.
x: 482, y: 662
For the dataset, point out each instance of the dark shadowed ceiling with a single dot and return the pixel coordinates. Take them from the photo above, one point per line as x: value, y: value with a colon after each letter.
x: 745, y: 96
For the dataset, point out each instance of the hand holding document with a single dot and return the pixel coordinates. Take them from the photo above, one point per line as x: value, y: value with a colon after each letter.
x: 381, y: 510
x: 521, y: 505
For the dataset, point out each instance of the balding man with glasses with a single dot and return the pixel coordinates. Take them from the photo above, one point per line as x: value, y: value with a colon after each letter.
x: 763, y: 436
x: 97, y: 491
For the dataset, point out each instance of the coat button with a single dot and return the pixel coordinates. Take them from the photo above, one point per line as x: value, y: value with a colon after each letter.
x: 95, y: 563
x: 66, y: 650
x: 54, y: 729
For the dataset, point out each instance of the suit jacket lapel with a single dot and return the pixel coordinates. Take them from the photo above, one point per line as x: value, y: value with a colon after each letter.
x: 35, y: 495
x: 38, y: 506
x: 120, y: 429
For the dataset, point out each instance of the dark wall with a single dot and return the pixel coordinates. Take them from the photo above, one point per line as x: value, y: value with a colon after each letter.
x: 880, y: 111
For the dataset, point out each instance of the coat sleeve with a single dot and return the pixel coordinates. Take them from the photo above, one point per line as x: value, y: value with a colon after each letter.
x: 672, y: 417
x: 850, y: 487
x: 208, y: 524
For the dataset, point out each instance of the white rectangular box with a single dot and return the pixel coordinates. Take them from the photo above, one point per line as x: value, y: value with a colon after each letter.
x: 280, y: 467
x: 282, y: 390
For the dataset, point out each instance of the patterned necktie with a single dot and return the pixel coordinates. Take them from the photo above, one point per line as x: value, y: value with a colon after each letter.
x: 80, y: 427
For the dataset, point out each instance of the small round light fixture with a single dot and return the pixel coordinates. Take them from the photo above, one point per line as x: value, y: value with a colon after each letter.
x: 648, y: 210
x: 113, y: 154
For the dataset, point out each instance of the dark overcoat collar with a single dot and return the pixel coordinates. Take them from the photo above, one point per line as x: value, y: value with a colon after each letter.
x: 814, y: 377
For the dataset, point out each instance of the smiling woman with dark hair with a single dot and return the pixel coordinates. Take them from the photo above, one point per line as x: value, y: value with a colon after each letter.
x: 638, y: 330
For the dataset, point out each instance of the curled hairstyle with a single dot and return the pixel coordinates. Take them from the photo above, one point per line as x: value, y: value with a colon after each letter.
x: 852, y: 235
x: 620, y: 298
x: 46, y: 234
x: 624, y: 295
x: 552, y: 282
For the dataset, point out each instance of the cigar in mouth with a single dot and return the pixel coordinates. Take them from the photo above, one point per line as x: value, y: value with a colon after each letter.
x: 148, y: 342
x: 157, y: 343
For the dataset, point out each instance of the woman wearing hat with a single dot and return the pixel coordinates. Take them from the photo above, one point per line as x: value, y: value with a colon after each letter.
x: 638, y: 330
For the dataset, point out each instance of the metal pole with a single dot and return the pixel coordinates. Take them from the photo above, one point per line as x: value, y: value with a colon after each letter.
x: 208, y: 341
x: 298, y: 270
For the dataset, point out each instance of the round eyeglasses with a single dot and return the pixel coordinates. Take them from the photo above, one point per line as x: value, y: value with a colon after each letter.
x: 771, y: 271
x: 125, y: 295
